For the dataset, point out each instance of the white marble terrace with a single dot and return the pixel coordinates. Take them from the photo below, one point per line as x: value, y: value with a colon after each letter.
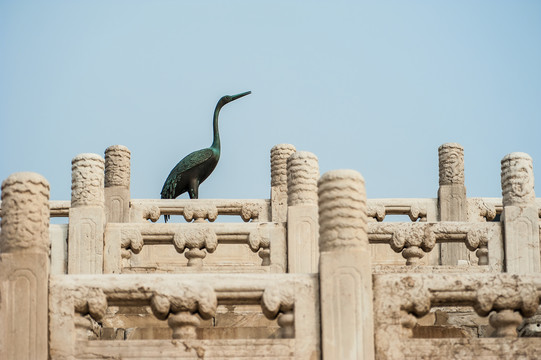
x: 314, y: 272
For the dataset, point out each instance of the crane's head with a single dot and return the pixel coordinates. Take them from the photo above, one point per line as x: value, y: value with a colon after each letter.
x: 228, y: 98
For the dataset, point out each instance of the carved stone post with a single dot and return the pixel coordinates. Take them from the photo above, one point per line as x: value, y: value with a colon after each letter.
x: 345, y: 267
x: 117, y: 183
x: 86, y: 215
x: 452, y: 202
x: 302, y: 213
x: 520, y: 214
x: 279, y: 155
x: 24, y: 267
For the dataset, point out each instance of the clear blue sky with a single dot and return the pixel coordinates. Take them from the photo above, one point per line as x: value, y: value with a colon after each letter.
x: 373, y: 86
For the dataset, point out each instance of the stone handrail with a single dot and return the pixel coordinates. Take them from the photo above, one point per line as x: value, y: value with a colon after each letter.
x: 195, y: 241
x: 247, y: 209
x: 416, y: 209
x: 413, y: 240
x: 399, y: 299
x: 182, y: 300
x: 484, y: 207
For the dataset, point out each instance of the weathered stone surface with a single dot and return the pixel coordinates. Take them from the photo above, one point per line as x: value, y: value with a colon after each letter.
x: 451, y: 164
x: 401, y: 298
x: 87, y: 174
x: 87, y: 215
x: 211, y: 289
x: 24, y: 267
x: 145, y: 247
x: 279, y: 155
x: 85, y: 245
x: 117, y: 166
x: 117, y: 183
x: 453, y: 205
x: 185, y: 295
x: 345, y: 268
x: 302, y: 177
x: 25, y: 214
x: 302, y: 214
x: 59, y: 248
x: 342, y: 211
x: 517, y: 179
x: 520, y: 215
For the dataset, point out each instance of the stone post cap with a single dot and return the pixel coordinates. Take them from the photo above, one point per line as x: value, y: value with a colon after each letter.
x: 517, y: 179
x: 342, y: 211
x: 87, y: 173
x: 120, y: 148
x: 87, y: 157
x: 444, y: 146
x: 451, y: 164
x: 516, y: 156
x: 279, y: 155
x: 302, y: 177
x: 283, y: 148
x: 117, y: 166
x: 25, y: 213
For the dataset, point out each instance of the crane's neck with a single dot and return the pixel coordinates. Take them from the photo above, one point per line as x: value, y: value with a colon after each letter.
x: 216, y: 142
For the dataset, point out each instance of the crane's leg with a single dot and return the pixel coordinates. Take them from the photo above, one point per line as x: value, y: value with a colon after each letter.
x: 194, y: 189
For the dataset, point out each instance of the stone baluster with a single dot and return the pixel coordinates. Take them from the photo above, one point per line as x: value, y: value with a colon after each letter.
x: 413, y: 241
x: 279, y: 155
x: 200, y: 212
x: 302, y: 213
x: 345, y: 271
x: 509, y: 300
x: 117, y: 184
x: 197, y: 244
x: 90, y: 306
x: 452, y: 202
x: 86, y: 215
x: 182, y: 306
x: 260, y: 244
x: 24, y: 267
x: 278, y: 301
x: 520, y: 215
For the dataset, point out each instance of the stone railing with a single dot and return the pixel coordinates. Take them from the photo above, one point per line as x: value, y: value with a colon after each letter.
x: 77, y: 302
x: 199, y: 210
x: 416, y: 209
x: 335, y: 305
x: 414, y: 240
x: 252, y: 247
x: 400, y: 299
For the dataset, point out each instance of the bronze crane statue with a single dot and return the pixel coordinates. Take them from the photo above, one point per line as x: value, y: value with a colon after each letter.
x: 191, y: 171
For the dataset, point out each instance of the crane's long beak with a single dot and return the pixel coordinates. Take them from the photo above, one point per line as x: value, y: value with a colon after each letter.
x: 238, y: 96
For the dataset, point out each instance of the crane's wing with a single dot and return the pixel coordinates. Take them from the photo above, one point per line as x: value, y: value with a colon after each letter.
x: 189, y: 162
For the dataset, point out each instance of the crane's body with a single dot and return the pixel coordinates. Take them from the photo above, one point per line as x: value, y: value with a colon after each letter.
x: 193, y: 169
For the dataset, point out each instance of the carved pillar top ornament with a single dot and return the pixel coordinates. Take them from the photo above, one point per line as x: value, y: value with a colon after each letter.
x: 517, y: 179
x: 302, y: 176
x: 342, y: 211
x: 451, y: 164
x: 117, y: 166
x: 279, y: 155
x: 87, y: 180
x: 25, y: 213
